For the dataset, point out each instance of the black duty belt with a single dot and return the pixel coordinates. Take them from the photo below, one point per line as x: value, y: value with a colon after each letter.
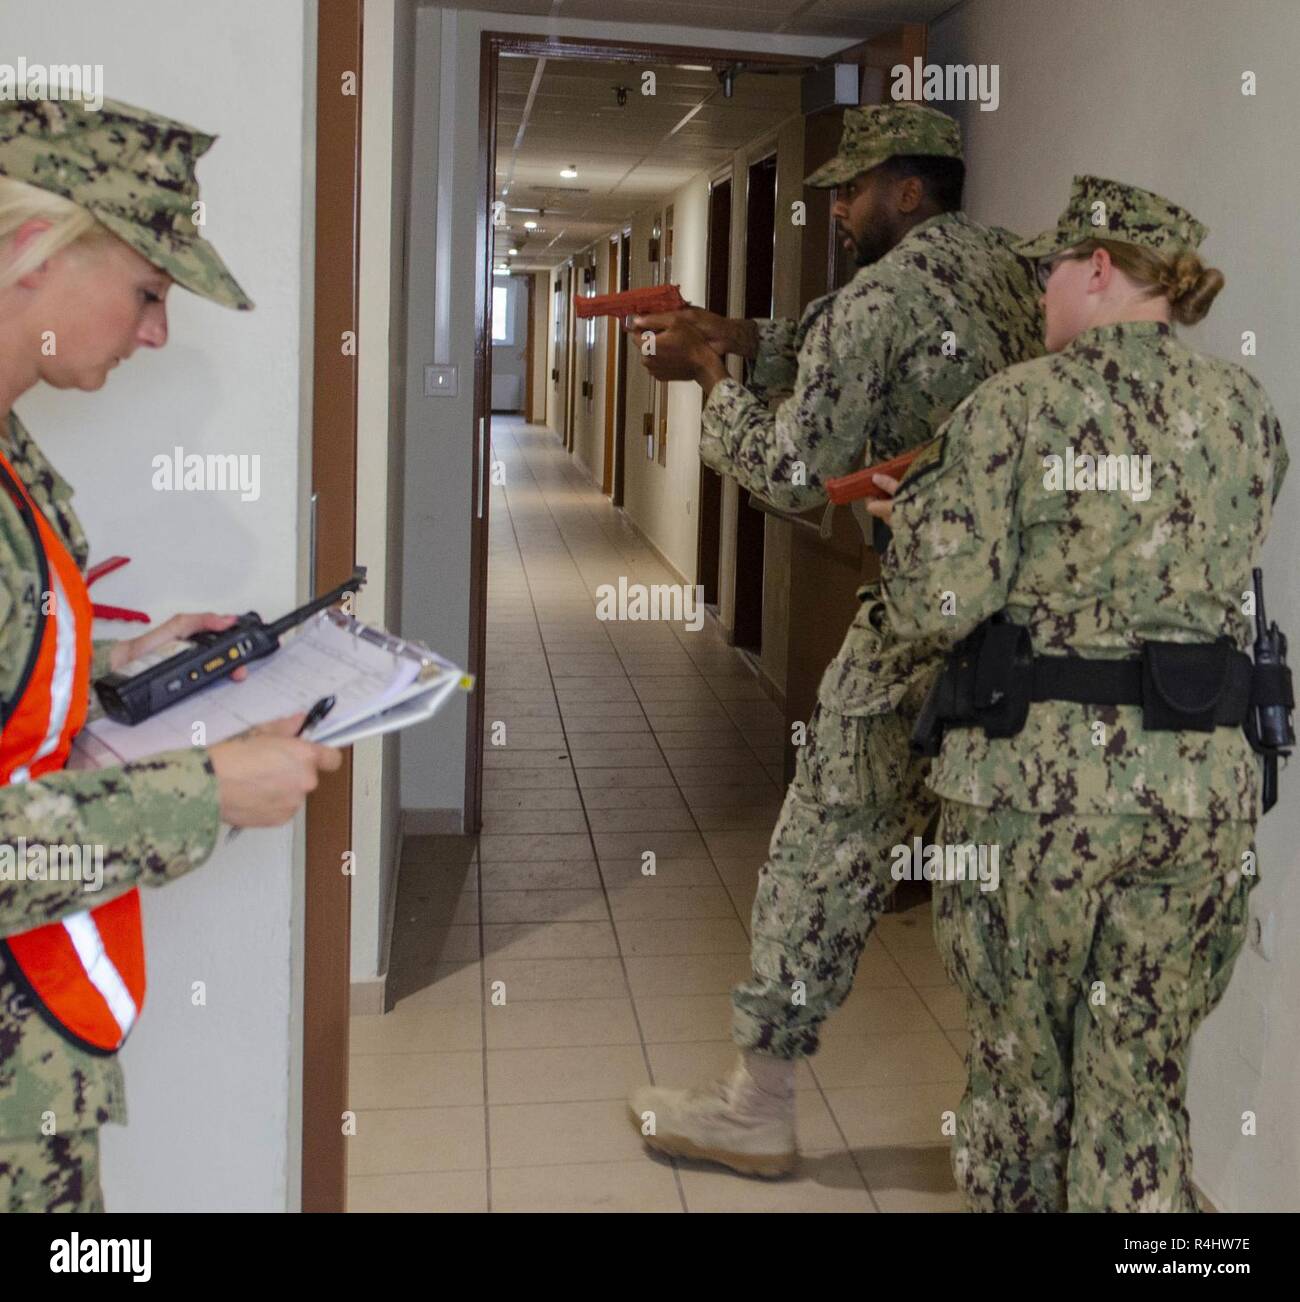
x: 1127, y: 682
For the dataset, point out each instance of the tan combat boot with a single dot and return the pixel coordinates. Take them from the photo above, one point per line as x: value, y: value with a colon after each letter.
x: 744, y: 1121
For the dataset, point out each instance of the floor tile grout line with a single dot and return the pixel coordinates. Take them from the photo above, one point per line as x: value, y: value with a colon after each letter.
x: 713, y: 861
x: 483, y: 1014
x: 658, y: 746
x: 618, y: 944
x: 557, y: 527
x: 712, y: 856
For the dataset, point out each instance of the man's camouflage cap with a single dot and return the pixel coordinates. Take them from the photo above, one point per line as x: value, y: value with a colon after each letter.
x: 133, y: 170
x: 881, y: 131
x: 1110, y: 210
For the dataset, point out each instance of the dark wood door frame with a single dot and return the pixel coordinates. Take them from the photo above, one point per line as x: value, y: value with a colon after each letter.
x: 611, y: 373
x: 708, y: 537
x: 620, y: 364
x: 571, y: 402
x: 760, y: 276
x: 328, y: 901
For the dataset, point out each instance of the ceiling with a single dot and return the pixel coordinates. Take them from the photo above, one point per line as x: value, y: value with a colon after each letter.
x: 849, y: 18
x: 554, y: 114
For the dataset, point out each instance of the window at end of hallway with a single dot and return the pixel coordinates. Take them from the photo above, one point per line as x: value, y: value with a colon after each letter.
x: 503, y: 328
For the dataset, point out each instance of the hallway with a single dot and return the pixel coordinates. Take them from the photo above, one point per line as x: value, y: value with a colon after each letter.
x: 548, y: 975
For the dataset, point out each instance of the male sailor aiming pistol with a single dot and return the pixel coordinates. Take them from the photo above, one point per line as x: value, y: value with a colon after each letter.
x: 939, y: 304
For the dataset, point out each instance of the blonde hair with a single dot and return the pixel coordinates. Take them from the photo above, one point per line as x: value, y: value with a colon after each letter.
x: 69, y: 224
x: 1188, y: 284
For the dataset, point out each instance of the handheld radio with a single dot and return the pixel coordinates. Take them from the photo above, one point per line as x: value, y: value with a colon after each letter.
x: 1268, y: 725
x: 213, y: 656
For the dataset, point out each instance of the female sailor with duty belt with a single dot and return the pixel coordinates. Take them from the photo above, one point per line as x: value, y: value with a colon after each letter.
x: 1107, y: 502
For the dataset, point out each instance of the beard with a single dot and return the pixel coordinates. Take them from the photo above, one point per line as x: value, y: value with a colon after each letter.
x: 872, y: 246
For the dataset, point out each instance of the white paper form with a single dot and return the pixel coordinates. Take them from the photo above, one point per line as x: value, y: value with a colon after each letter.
x: 366, y: 671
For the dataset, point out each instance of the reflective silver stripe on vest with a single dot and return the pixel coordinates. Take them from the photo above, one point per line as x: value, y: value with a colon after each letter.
x: 64, y: 677
x: 103, y: 975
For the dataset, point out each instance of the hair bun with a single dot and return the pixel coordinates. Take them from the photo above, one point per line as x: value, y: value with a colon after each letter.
x: 1190, y: 287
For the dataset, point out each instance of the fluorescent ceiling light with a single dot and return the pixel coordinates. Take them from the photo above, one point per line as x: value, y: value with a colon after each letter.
x: 514, y: 252
x: 530, y: 226
x: 569, y: 172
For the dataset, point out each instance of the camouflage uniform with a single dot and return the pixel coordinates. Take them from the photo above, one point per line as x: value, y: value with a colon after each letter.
x: 1122, y: 900
x: 156, y: 819
x: 871, y: 371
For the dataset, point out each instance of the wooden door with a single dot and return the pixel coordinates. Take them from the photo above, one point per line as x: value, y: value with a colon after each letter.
x: 751, y: 523
x: 718, y: 278
x: 611, y: 375
x: 826, y: 573
x: 620, y: 412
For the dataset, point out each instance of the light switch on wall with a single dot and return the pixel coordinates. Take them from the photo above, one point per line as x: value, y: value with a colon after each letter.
x: 440, y: 381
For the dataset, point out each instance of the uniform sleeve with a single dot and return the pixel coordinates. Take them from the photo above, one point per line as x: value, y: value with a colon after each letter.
x: 145, y: 823
x: 785, y: 456
x: 1281, y: 458
x: 955, y: 545
x: 775, y: 367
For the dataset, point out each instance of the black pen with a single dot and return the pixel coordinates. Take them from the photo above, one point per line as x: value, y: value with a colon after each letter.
x: 316, y: 714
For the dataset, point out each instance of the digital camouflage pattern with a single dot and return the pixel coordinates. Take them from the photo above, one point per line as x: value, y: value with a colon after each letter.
x: 133, y: 170
x: 58, y: 1173
x: 1094, y: 572
x: 1123, y: 888
x: 155, y: 819
x: 1111, y: 210
x: 1086, y: 973
x: 857, y: 792
x: 871, y: 371
x: 877, y: 132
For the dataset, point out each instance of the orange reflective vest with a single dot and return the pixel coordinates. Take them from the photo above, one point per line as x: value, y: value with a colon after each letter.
x: 85, y: 973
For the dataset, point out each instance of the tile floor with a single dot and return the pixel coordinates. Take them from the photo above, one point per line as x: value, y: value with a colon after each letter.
x: 620, y: 738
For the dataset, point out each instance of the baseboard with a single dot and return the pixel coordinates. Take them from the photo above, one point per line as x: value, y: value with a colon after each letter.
x: 433, y: 822
x: 368, y: 996
x: 768, y: 684
x: 650, y: 542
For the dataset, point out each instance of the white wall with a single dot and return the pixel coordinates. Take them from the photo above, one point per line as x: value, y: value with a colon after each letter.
x: 386, y: 107
x: 1151, y: 94
x: 212, y: 1103
x: 663, y: 500
x: 439, y: 431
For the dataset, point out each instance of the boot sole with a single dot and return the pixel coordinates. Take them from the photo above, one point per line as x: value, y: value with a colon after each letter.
x: 768, y: 1166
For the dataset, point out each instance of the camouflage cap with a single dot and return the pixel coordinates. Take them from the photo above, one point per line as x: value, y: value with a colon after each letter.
x: 1110, y: 210
x: 133, y: 170
x: 880, y: 131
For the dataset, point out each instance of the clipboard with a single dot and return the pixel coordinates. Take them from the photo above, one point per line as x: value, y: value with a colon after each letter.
x: 382, y: 683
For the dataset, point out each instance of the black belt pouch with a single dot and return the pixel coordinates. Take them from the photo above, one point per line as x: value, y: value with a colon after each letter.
x: 1182, y: 684
x: 1004, y: 679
